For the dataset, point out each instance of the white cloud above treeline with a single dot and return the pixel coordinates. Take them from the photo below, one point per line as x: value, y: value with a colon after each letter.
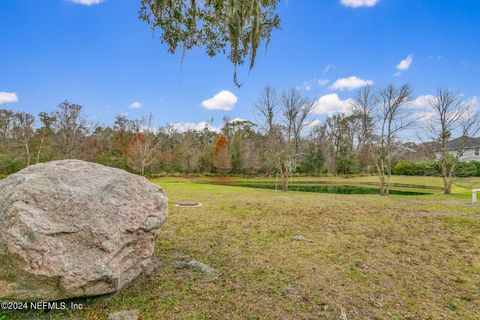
x: 311, y: 84
x: 350, y: 83
x: 135, y: 105
x: 404, y: 65
x: 359, y: 3
x: 224, y: 100
x: 330, y: 104
x: 196, y: 126
x: 426, y: 113
x: 86, y: 2
x: 422, y: 102
x: 8, y: 97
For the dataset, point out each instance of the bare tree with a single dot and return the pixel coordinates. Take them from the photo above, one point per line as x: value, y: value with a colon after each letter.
x: 188, y: 150
x: 144, y: 145
x: 71, y: 126
x: 383, y: 119
x: 295, y: 110
x: 267, y: 108
x: 6, y: 119
x: 451, y: 114
x: 362, y: 108
x: 23, y: 129
x: 391, y: 121
x: 282, y: 136
x: 45, y: 130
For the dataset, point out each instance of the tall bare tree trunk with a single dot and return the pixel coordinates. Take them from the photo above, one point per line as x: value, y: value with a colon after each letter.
x: 449, y: 181
x: 284, y: 173
x: 40, y: 149
x: 143, y: 166
x: 27, y: 150
x: 389, y: 175
x: 381, y: 174
x: 446, y: 185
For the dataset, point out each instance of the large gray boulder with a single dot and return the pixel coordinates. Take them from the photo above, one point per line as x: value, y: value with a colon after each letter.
x: 73, y: 228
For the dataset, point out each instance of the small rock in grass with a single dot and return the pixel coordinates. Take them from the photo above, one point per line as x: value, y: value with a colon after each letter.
x: 152, y: 267
x: 125, y: 315
x: 197, y: 266
x: 300, y: 238
x: 292, y: 294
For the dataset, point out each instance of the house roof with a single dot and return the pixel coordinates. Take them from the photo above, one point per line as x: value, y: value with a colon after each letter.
x: 468, y: 142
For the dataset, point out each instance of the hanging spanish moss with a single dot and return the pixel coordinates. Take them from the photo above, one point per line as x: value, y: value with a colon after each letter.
x: 232, y: 27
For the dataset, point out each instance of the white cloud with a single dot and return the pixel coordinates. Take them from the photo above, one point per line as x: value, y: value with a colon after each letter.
x: 359, y: 3
x: 8, y: 97
x: 305, y: 86
x: 331, y: 103
x: 425, y: 116
x: 309, y: 84
x: 474, y: 103
x: 405, y: 63
x: 328, y: 68
x: 422, y: 102
x: 224, y: 100
x: 86, y: 2
x: 425, y: 102
x: 426, y: 113
x: 322, y: 82
x: 135, y: 105
x: 423, y: 109
x: 312, y: 124
x: 197, y: 126
x: 238, y: 120
x: 350, y: 83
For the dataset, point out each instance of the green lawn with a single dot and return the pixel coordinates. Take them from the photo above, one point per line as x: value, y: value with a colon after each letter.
x: 371, y: 257
x: 461, y: 186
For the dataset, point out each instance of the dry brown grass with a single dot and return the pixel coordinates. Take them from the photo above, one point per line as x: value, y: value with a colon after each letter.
x: 375, y: 258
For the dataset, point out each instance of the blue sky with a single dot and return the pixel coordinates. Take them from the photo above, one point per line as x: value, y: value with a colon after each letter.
x: 104, y: 58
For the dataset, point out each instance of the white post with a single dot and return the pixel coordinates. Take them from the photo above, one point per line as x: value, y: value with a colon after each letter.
x: 474, y: 195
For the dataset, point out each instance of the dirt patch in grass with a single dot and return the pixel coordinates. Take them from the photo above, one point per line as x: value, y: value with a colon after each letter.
x: 188, y: 204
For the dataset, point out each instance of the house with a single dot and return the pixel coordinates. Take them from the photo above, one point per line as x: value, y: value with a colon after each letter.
x: 470, y: 146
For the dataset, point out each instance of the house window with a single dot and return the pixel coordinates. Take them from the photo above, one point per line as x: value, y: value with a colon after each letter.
x: 477, y: 151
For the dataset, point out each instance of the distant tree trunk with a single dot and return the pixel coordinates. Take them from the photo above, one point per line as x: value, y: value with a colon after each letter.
x: 39, y: 151
x: 143, y: 166
x: 381, y: 174
x: 23, y: 127
x: 448, y: 179
x: 389, y: 174
x: 27, y: 151
x: 285, y: 175
x: 447, y: 185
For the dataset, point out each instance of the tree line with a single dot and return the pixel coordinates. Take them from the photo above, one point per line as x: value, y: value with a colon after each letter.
x: 283, y: 141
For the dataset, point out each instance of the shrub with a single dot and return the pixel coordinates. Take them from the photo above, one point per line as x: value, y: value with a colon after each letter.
x: 8, y: 166
x: 423, y: 168
x: 432, y: 168
x: 468, y: 169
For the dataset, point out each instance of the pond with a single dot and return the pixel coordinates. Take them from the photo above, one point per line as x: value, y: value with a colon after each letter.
x: 337, y: 189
